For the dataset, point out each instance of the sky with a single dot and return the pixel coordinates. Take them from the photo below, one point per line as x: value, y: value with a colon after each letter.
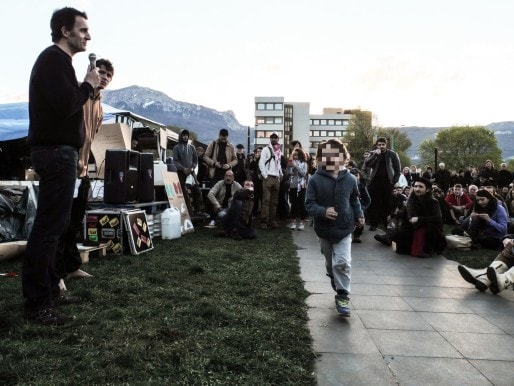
x: 410, y: 62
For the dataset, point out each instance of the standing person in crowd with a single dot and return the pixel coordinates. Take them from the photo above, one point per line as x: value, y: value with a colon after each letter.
x: 68, y: 260
x: 458, y: 203
x: 240, y: 168
x: 255, y: 172
x: 487, y: 223
x: 220, y: 156
x: 485, y: 278
x: 365, y: 201
x: 297, y: 172
x: 56, y: 133
x: 220, y: 195
x: 333, y: 200
x: 185, y: 158
x: 442, y: 178
x: 271, y: 171
x: 421, y: 232
x: 237, y: 223
x: 467, y: 176
x: 384, y: 166
x: 488, y: 174
x: 504, y: 176
x: 361, y: 165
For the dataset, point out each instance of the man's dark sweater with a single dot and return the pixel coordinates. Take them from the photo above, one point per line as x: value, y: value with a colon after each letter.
x: 55, y: 117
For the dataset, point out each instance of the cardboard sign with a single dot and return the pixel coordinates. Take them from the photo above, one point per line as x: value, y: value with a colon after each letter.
x: 176, y: 199
x: 110, y: 136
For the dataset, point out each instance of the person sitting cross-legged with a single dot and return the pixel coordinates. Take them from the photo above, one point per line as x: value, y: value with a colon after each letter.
x: 421, y: 231
x: 237, y: 223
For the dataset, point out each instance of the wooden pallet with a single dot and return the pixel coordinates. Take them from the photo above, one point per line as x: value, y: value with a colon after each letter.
x: 86, y: 250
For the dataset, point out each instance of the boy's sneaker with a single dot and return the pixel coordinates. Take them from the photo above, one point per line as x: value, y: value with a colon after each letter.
x: 301, y: 226
x: 292, y: 225
x: 343, y: 305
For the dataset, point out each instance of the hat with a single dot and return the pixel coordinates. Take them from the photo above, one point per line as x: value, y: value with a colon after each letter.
x: 424, y: 181
x: 274, y: 134
x: 239, y: 146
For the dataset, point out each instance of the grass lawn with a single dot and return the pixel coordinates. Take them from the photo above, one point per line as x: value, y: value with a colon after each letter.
x: 472, y: 258
x: 198, y: 310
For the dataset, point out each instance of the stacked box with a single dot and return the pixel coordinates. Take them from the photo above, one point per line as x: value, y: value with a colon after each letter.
x: 105, y: 226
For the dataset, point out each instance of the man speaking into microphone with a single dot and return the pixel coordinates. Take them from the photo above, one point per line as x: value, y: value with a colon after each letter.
x: 56, y: 133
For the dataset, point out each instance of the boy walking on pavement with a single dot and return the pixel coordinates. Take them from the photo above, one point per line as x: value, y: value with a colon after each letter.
x: 333, y: 201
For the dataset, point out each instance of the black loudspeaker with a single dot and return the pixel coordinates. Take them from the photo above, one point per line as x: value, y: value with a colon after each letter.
x: 145, y: 185
x: 121, y: 176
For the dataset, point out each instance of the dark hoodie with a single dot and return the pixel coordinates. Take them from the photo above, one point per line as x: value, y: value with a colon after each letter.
x: 184, y: 154
x: 342, y: 193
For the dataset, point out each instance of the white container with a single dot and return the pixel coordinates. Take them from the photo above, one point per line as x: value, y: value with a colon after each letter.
x: 171, y: 224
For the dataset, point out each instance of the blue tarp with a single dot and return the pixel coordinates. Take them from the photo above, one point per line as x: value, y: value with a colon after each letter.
x: 14, y: 121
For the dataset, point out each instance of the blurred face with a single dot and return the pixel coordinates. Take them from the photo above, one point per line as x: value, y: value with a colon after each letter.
x: 457, y: 190
x: 223, y: 138
x: 257, y: 153
x: 406, y: 191
x: 406, y: 170
x: 419, y: 189
x: 332, y: 160
x: 229, y: 177
x: 273, y: 139
x: 490, y: 189
x: 488, y: 164
x: 473, y: 190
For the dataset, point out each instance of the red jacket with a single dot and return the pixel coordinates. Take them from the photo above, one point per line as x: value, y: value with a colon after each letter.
x: 452, y: 200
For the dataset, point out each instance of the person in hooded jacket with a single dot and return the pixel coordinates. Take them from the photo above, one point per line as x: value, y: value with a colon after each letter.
x: 332, y: 199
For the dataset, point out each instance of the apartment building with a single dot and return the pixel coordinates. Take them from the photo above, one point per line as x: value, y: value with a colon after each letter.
x: 293, y: 121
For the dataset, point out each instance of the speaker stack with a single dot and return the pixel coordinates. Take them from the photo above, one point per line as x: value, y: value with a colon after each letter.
x: 121, y: 176
x: 145, y: 185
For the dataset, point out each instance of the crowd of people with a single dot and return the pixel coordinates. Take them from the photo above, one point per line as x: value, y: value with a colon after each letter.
x: 272, y: 186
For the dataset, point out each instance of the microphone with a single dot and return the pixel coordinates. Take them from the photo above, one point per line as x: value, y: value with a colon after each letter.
x: 92, y: 61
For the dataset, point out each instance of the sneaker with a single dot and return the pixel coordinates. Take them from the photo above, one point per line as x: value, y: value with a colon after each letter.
x: 48, y: 316
x: 292, y: 225
x: 301, y: 226
x: 212, y: 224
x: 63, y: 300
x: 342, y: 306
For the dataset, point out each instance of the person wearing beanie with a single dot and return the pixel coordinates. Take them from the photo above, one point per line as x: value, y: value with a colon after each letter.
x: 421, y: 231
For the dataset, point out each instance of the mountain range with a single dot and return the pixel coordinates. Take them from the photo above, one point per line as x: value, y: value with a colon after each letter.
x: 206, y: 122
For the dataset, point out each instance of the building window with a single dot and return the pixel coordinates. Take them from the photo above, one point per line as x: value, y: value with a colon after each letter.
x: 260, y: 134
x: 331, y: 122
x: 339, y: 133
x: 330, y: 134
x: 345, y: 122
x: 339, y: 122
x: 323, y: 122
x: 279, y: 106
x: 315, y: 122
x: 315, y: 133
x: 261, y: 106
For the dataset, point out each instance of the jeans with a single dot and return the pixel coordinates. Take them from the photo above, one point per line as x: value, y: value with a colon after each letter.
x: 57, y: 170
x: 338, y: 261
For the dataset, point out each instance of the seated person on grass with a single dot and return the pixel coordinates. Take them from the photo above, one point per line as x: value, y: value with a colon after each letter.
x: 487, y: 223
x: 421, y: 231
x: 458, y: 202
x: 237, y: 223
